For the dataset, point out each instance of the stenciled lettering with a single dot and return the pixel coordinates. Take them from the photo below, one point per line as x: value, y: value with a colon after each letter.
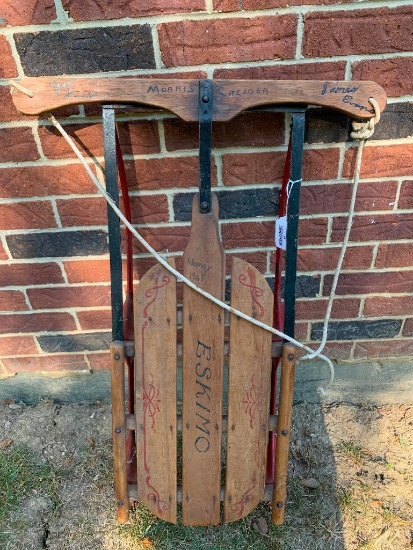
x: 203, y: 353
x: 247, y: 92
x: 202, y: 444
x: 156, y: 89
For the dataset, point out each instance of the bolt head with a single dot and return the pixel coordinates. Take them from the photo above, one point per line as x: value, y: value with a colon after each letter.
x: 117, y: 356
x: 205, y: 99
x: 290, y: 356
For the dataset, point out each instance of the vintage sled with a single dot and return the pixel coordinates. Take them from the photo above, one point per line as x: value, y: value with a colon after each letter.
x: 223, y: 433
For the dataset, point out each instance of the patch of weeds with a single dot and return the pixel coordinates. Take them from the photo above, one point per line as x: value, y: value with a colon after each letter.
x: 350, y: 448
x: 21, y: 475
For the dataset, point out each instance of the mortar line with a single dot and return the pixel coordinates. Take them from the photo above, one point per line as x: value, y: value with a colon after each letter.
x: 216, y: 15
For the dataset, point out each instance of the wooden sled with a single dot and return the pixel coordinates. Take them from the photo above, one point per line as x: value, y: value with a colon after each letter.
x: 228, y: 417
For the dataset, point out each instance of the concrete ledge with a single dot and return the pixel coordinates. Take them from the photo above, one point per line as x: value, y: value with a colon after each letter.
x: 375, y: 383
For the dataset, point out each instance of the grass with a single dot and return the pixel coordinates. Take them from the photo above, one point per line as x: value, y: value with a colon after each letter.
x: 21, y: 475
x: 307, y: 525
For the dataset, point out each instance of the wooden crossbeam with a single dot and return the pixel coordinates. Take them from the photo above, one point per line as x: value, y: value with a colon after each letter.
x: 181, y: 96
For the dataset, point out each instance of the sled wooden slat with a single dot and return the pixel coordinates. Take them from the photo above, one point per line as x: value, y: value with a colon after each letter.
x: 155, y: 364
x: 181, y: 96
x: 203, y: 358
x: 248, y: 392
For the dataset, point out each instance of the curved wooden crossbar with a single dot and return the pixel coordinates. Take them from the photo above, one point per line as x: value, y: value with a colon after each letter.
x: 181, y: 96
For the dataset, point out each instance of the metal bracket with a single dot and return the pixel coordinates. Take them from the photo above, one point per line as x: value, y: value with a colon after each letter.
x: 205, y: 144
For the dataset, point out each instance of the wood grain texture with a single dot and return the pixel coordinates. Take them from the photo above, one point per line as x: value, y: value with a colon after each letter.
x: 248, y: 391
x: 119, y: 430
x: 283, y: 433
x: 181, y: 96
x: 203, y: 358
x: 155, y: 365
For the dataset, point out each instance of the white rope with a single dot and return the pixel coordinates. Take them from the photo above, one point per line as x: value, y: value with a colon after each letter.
x: 163, y: 262
x: 21, y: 88
x: 361, y: 129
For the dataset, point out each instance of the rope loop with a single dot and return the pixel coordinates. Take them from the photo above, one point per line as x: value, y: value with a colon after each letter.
x: 364, y: 130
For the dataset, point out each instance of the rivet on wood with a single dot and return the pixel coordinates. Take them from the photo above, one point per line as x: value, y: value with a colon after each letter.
x: 284, y: 432
x: 120, y: 503
x: 118, y: 430
x: 117, y: 356
x: 290, y: 356
x: 280, y: 504
x: 190, y: 317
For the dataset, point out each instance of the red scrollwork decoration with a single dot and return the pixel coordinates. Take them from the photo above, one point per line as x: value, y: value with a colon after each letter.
x: 255, y: 291
x: 151, y: 400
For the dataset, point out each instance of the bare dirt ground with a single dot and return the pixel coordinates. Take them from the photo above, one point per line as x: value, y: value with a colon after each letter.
x: 350, y: 483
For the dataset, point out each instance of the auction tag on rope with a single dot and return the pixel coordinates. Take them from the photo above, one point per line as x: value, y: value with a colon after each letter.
x: 281, y: 233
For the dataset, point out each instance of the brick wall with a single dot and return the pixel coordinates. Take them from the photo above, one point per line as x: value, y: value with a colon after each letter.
x: 54, y: 275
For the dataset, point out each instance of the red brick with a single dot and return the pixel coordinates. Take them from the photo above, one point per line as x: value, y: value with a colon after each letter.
x: 38, y: 181
x: 164, y: 173
x: 8, y: 111
x: 81, y: 212
x: 12, y: 300
x: 95, y: 320
x: 378, y: 195
x: 22, y: 274
x: 17, y: 144
x: 236, y: 5
x: 371, y: 283
x: 383, y: 306
x: 3, y: 255
x: 87, y: 271
x: 228, y: 40
x: 381, y: 161
x: 384, y: 349
x: 27, y: 12
x: 27, y: 215
x: 90, y: 10
x: 137, y: 138
x: 99, y: 361
x: 35, y: 322
x: 313, y: 310
x: 246, y: 130
x: 149, y: 209
x: 163, y: 239
x: 408, y: 328
x: 253, y: 234
x: 406, y: 195
x: 69, y: 297
x: 376, y: 227
x: 8, y: 67
x: 325, y: 259
x: 312, y: 231
x: 357, y: 32
x: 45, y: 363
x: 395, y: 255
x: 301, y: 331
x: 394, y: 75
x: 250, y: 168
x: 257, y: 259
x: 17, y: 345
x: 319, y: 71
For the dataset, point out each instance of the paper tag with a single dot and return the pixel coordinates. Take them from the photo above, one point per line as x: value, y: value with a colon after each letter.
x: 281, y: 233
